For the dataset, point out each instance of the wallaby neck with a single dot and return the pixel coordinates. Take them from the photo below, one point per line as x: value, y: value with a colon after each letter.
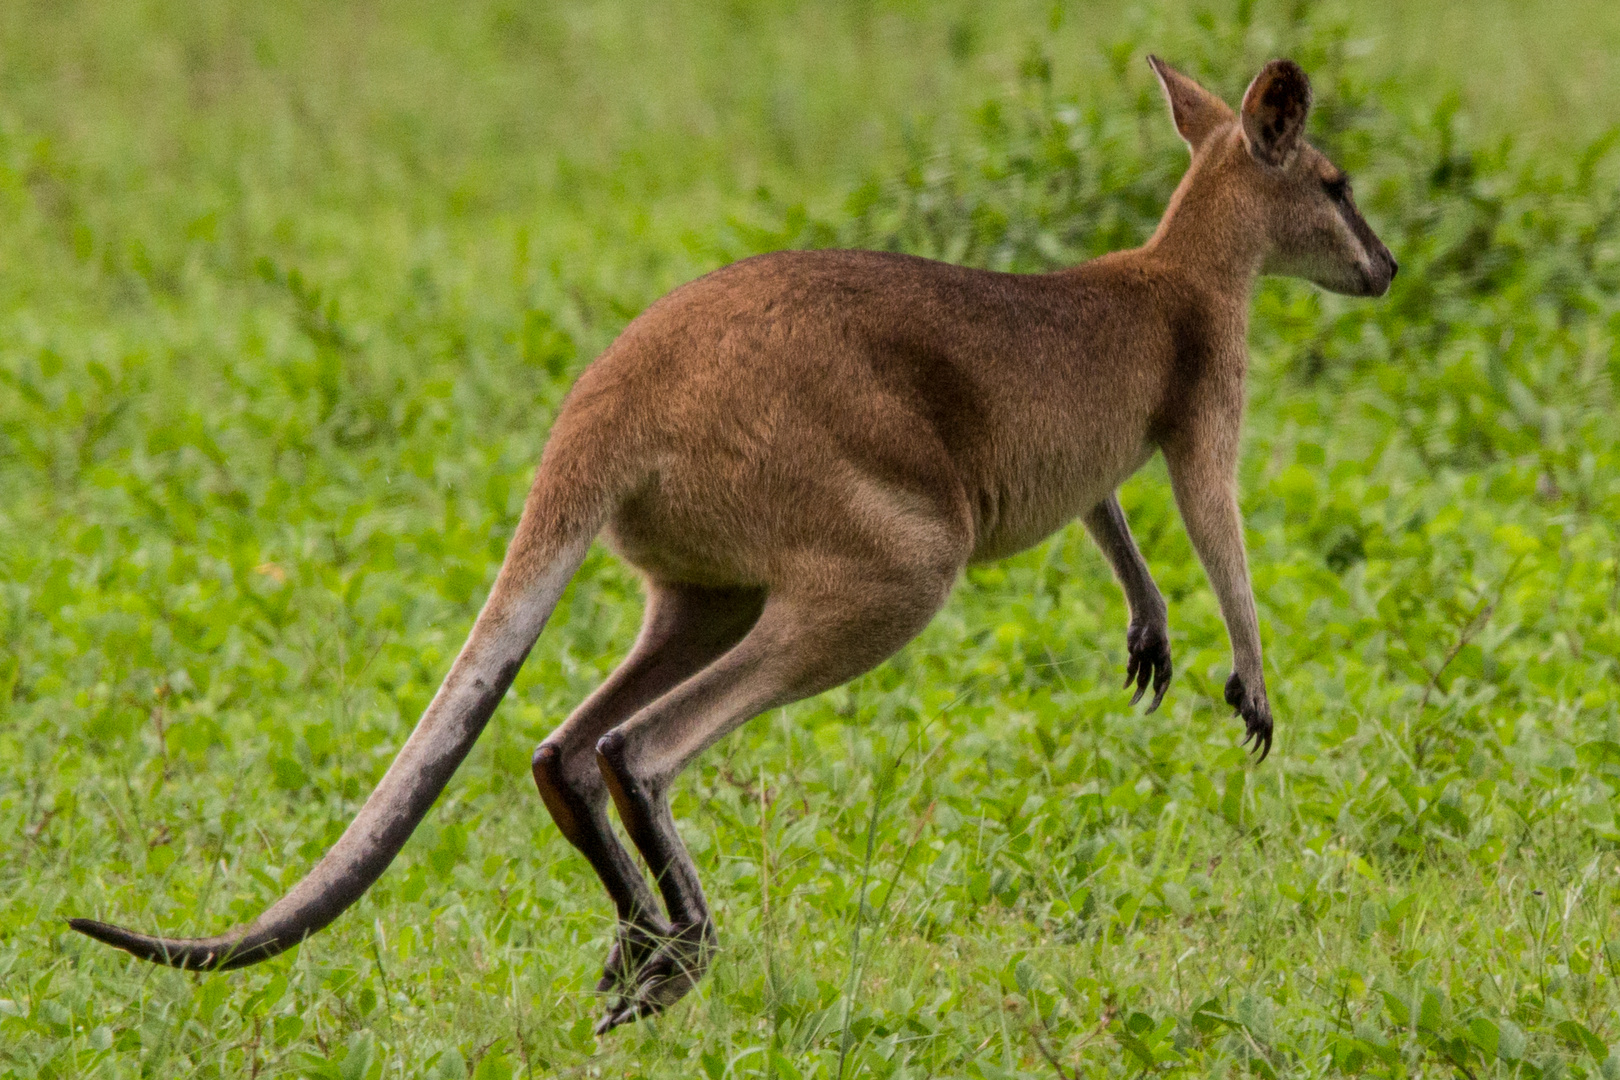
x: 1205, y: 232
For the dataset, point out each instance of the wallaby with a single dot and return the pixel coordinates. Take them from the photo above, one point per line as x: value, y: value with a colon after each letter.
x: 801, y: 451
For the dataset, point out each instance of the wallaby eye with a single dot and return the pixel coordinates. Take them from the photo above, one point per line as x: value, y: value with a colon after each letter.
x: 1338, y: 189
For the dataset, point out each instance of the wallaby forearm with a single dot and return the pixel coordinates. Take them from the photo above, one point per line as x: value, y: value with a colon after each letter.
x: 1201, y: 475
x: 1112, y: 533
x: 1147, y: 638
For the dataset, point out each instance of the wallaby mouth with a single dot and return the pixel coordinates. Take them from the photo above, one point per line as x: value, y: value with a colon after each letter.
x: 1382, y: 273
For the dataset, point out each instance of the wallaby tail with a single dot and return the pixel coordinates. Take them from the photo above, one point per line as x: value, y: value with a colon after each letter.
x: 542, y: 558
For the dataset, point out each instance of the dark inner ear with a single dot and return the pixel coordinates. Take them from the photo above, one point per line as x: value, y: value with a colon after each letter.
x: 1274, y: 111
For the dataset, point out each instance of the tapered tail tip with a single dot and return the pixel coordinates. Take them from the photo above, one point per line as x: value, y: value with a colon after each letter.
x: 204, y: 955
x: 101, y: 931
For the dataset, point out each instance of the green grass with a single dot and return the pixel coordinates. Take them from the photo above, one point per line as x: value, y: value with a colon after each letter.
x: 288, y: 295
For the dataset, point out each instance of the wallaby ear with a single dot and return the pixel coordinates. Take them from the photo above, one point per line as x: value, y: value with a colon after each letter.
x: 1196, y: 111
x: 1274, y: 111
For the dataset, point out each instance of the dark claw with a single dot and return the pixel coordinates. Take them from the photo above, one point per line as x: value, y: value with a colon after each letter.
x: 1161, y: 683
x: 611, y: 1019
x: 1256, y: 713
x: 664, y: 977
x: 1149, y: 645
x: 622, y: 1011
x: 633, y: 946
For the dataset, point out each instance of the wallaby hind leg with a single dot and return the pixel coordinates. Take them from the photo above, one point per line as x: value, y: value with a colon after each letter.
x: 850, y: 619
x: 683, y: 629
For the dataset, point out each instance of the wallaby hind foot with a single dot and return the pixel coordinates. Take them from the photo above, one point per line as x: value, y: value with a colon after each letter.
x: 664, y: 977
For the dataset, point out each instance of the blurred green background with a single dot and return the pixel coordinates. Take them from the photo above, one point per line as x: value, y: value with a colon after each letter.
x: 288, y: 296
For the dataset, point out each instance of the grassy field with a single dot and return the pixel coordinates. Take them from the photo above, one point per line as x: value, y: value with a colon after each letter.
x: 288, y: 295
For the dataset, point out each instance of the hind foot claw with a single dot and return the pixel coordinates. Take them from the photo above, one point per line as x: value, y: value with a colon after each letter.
x: 666, y: 976
x: 633, y: 946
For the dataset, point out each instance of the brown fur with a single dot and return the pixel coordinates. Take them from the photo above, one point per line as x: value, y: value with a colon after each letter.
x: 802, y: 451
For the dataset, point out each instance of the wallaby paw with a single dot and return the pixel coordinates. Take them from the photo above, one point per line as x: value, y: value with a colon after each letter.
x: 667, y: 976
x: 1149, y: 645
x: 1256, y: 713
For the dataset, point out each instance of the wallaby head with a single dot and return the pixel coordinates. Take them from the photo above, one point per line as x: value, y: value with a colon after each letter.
x: 1254, y: 173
